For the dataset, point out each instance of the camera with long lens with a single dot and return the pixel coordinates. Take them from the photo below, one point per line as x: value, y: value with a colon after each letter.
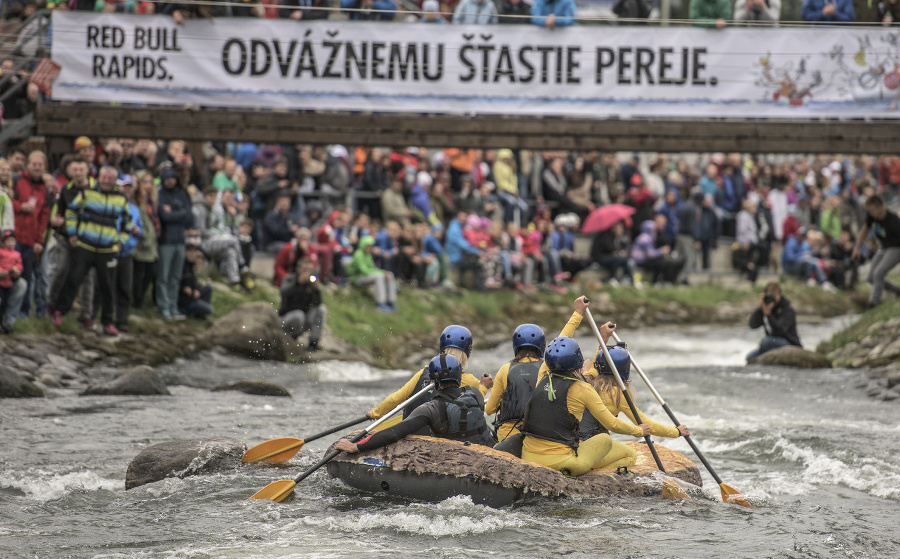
x: 768, y: 298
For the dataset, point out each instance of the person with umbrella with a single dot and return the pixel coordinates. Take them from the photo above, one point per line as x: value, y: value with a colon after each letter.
x: 611, y: 245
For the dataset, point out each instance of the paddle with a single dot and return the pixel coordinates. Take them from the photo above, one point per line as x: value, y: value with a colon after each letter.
x: 281, y: 450
x: 622, y: 386
x: 279, y: 490
x: 729, y: 493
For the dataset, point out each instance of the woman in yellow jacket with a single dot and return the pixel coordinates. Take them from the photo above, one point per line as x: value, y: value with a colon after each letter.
x: 553, y: 413
x: 601, y: 378
x: 515, y: 381
x: 456, y: 341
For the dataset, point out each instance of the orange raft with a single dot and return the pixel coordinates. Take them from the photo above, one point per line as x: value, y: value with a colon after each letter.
x: 432, y: 469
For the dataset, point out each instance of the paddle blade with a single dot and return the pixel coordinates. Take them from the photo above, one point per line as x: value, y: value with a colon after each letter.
x: 672, y: 490
x: 276, y: 491
x: 275, y: 451
x: 734, y: 497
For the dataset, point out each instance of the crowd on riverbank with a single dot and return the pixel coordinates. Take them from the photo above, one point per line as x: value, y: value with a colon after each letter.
x: 118, y: 217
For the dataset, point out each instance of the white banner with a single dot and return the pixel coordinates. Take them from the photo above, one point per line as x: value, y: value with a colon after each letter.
x: 832, y: 72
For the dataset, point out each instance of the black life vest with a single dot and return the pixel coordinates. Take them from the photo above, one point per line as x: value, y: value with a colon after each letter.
x: 589, y: 426
x: 424, y: 380
x: 520, y: 382
x: 461, y: 413
x: 551, y: 420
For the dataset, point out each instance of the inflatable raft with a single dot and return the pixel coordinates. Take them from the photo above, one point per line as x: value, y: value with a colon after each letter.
x: 431, y: 469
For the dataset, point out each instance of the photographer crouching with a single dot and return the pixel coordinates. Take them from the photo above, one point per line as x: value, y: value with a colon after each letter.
x: 301, y: 304
x: 777, y: 316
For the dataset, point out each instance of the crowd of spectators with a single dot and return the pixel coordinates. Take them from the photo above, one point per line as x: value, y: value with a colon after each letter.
x: 121, y: 224
x: 545, y: 13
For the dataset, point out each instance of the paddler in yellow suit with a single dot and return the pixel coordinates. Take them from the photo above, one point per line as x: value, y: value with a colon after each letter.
x: 600, y: 376
x: 553, y: 413
x: 515, y: 380
x: 456, y: 341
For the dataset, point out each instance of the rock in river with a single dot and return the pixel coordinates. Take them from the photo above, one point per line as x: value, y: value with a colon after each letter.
x: 793, y: 356
x: 188, y: 457
x: 251, y: 330
x: 135, y: 381
x: 255, y: 387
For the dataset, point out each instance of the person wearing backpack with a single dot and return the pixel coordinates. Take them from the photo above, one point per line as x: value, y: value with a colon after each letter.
x: 455, y: 412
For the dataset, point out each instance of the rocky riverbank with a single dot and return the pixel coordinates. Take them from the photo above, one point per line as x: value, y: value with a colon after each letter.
x: 73, y: 359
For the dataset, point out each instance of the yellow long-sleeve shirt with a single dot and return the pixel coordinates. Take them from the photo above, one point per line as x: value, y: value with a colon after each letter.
x: 408, y: 390
x: 656, y: 429
x: 581, y: 396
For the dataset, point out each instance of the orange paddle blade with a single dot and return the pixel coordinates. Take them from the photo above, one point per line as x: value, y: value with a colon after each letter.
x: 733, y: 496
x: 276, y: 491
x: 275, y: 451
x: 672, y: 490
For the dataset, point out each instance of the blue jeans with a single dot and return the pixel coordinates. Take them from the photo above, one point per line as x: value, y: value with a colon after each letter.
x: 768, y: 343
x: 198, y: 308
x: 11, y: 299
x: 171, y: 264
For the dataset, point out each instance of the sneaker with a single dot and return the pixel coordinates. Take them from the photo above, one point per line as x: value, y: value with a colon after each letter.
x: 57, y: 318
x: 178, y: 317
x: 384, y: 308
x: 247, y: 281
x: 167, y: 317
x: 123, y: 328
x: 828, y: 286
x: 313, y: 345
x: 558, y: 288
x: 612, y: 282
x: 88, y: 323
x: 811, y: 282
x: 562, y: 276
x: 110, y: 330
x: 393, y: 307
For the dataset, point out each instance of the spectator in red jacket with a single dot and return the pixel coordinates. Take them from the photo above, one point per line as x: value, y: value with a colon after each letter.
x: 292, y: 252
x: 32, y: 214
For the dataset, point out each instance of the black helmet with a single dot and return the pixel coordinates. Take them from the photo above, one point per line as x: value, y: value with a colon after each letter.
x: 529, y: 335
x: 445, y: 370
x: 620, y: 357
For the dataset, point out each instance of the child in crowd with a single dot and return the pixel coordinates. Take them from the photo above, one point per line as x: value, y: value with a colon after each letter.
x: 12, y: 286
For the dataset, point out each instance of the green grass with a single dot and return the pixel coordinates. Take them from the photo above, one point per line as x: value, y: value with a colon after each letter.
x: 887, y: 310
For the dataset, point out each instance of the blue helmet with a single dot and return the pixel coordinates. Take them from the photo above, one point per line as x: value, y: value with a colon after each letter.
x: 458, y: 337
x: 445, y: 369
x: 529, y: 335
x: 563, y: 355
x: 620, y: 358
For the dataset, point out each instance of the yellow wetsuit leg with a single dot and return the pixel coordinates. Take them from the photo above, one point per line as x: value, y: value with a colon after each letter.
x: 507, y: 430
x: 619, y: 455
x: 590, y: 452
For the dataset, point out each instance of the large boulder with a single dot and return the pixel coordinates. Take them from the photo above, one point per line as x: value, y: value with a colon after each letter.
x: 12, y: 385
x: 188, y: 457
x: 793, y: 356
x: 255, y: 387
x: 252, y: 330
x: 134, y: 381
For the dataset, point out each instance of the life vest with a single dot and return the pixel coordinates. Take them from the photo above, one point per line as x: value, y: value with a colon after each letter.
x: 520, y: 382
x: 424, y: 381
x: 462, y: 418
x: 551, y: 420
x: 589, y: 426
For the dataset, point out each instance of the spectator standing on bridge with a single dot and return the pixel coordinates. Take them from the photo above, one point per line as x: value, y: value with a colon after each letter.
x: 305, y: 10
x: 553, y: 13
x: 479, y: 12
x: 828, y: 11
x: 757, y: 11
x: 631, y: 10
x: 430, y: 12
x: 710, y: 13
x: 369, y: 10
x: 514, y: 11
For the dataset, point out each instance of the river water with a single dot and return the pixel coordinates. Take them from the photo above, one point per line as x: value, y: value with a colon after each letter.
x: 818, y: 457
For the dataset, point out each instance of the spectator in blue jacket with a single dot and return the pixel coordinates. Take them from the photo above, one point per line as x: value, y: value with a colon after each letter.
x: 461, y: 254
x: 553, y: 13
x: 387, y: 247
x: 434, y: 255
x: 123, y: 273
x: 828, y: 11
x: 369, y: 10
x: 475, y: 12
x: 175, y: 219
